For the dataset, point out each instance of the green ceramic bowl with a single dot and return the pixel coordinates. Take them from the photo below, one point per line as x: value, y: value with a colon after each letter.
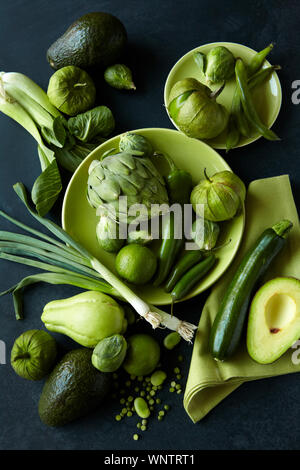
x: 267, y: 96
x: 79, y: 219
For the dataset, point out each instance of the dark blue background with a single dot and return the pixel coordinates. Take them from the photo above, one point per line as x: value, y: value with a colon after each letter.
x: 259, y: 415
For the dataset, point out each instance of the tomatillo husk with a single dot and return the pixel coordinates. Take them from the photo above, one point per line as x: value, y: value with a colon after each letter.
x: 194, y: 109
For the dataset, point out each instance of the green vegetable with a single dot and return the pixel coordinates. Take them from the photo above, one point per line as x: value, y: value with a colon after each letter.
x: 171, y: 340
x: 141, y: 237
x: 258, y: 59
x: 221, y: 195
x: 158, y: 377
x: 143, y: 355
x: 192, y: 277
x: 96, y: 122
x: 194, y: 109
x: 228, y: 325
x: 233, y: 134
x: 218, y: 64
x: 205, y: 233
x: 107, y: 232
x: 93, y: 41
x: 73, y: 389
x: 119, y: 76
x: 186, y: 261
x: 135, y: 142
x: 87, y: 318
x: 248, y: 103
x: 33, y: 354
x: 136, y: 264
x: 125, y: 175
x: 74, y: 259
x: 109, y: 353
x: 179, y: 186
x: 71, y: 90
x: 141, y: 408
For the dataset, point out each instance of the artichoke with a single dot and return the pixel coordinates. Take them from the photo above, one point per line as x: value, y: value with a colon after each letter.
x: 126, y: 175
x: 194, y: 109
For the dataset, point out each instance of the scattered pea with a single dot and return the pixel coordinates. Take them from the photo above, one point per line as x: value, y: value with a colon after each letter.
x: 177, y: 370
x: 160, y: 418
x: 148, y: 379
x: 136, y: 389
x: 118, y: 418
x: 173, y: 383
x: 158, y: 401
x: 128, y: 383
x: 130, y: 398
x: 140, y: 378
x: 179, y: 391
x: 152, y: 393
x: 151, y: 408
x: 167, y: 407
x: 178, y: 386
x: 124, y: 410
x: 180, y: 358
x: 138, y: 425
x: 142, y: 393
x: 129, y: 414
x: 171, y: 389
x: 171, y: 340
x: 141, y: 407
x: 151, y: 402
x: 148, y: 397
x: 148, y: 389
x: 159, y: 387
x: 178, y: 376
x: 133, y: 377
x: 144, y: 422
x: 135, y: 437
x: 143, y: 428
x: 122, y: 401
x: 161, y: 413
x: 158, y: 377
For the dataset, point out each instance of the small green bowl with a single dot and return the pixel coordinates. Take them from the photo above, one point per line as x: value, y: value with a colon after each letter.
x: 267, y: 96
x: 79, y: 218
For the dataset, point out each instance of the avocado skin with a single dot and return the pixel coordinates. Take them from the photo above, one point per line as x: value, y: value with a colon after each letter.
x: 73, y: 389
x: 95, y: 40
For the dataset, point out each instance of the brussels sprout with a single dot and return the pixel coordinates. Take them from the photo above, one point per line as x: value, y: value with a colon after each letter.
x: 119, y: 76
x: 33, y: 354
x: 205, y: 233
x: 134, y: 142
x: 71, y: 90
x: 194, y: 109
x: 107, y: 232
x: 109, y: 353
x: 221, y: 195
x: 220, y: 64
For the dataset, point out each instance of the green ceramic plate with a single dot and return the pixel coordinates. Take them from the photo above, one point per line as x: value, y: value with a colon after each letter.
x: 267, y: 96
x: 80, y: 220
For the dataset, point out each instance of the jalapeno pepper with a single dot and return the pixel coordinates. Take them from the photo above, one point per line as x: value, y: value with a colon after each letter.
x: 179, y: 186
x: 186, y: 262
x: 192, y: 277
x: 248, y: 104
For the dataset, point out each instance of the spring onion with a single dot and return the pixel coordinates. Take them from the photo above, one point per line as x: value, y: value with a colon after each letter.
x: 70, y: 263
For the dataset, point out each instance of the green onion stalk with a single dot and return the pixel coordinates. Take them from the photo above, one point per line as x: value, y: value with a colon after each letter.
x: 68, y: 262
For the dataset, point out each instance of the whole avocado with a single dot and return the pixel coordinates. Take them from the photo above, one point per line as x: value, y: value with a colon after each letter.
x: 73, y: 389
x: 95, y: 40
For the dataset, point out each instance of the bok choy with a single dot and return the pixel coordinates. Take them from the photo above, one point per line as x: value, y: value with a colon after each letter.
x: 68, y: 262
x: 24, y: 101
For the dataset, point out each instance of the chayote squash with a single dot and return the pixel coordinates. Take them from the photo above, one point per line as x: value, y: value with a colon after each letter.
x: 87, y: 318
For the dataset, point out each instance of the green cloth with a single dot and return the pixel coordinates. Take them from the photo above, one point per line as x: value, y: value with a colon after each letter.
x: 268, y: 201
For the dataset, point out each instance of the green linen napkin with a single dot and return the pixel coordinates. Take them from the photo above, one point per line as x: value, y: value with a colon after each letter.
x: 268, y: 201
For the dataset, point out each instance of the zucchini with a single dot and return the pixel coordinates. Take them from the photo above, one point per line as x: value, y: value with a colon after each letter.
x: 228, y: 325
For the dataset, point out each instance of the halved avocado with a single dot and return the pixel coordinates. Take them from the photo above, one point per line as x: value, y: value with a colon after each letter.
x: 274, y: 319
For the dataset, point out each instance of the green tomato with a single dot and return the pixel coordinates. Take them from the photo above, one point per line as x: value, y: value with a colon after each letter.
x: 109, y: 353
x: 143, y: 355
x: 71, y: 90
x: 33, y: 354
x: 136, y: 263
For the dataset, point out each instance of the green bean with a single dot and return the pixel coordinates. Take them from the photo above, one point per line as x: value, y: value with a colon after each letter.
x: 141, y: 407
x: 248, y: 104
x: 258, y: 59
x: 158, y: 377
x: 171, y: 340
x: 233, y: 133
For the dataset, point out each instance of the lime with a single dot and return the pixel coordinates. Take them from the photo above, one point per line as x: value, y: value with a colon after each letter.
x: 136, y: 263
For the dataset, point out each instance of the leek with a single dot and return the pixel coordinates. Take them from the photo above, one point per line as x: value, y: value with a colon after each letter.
x: 72, y: 264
